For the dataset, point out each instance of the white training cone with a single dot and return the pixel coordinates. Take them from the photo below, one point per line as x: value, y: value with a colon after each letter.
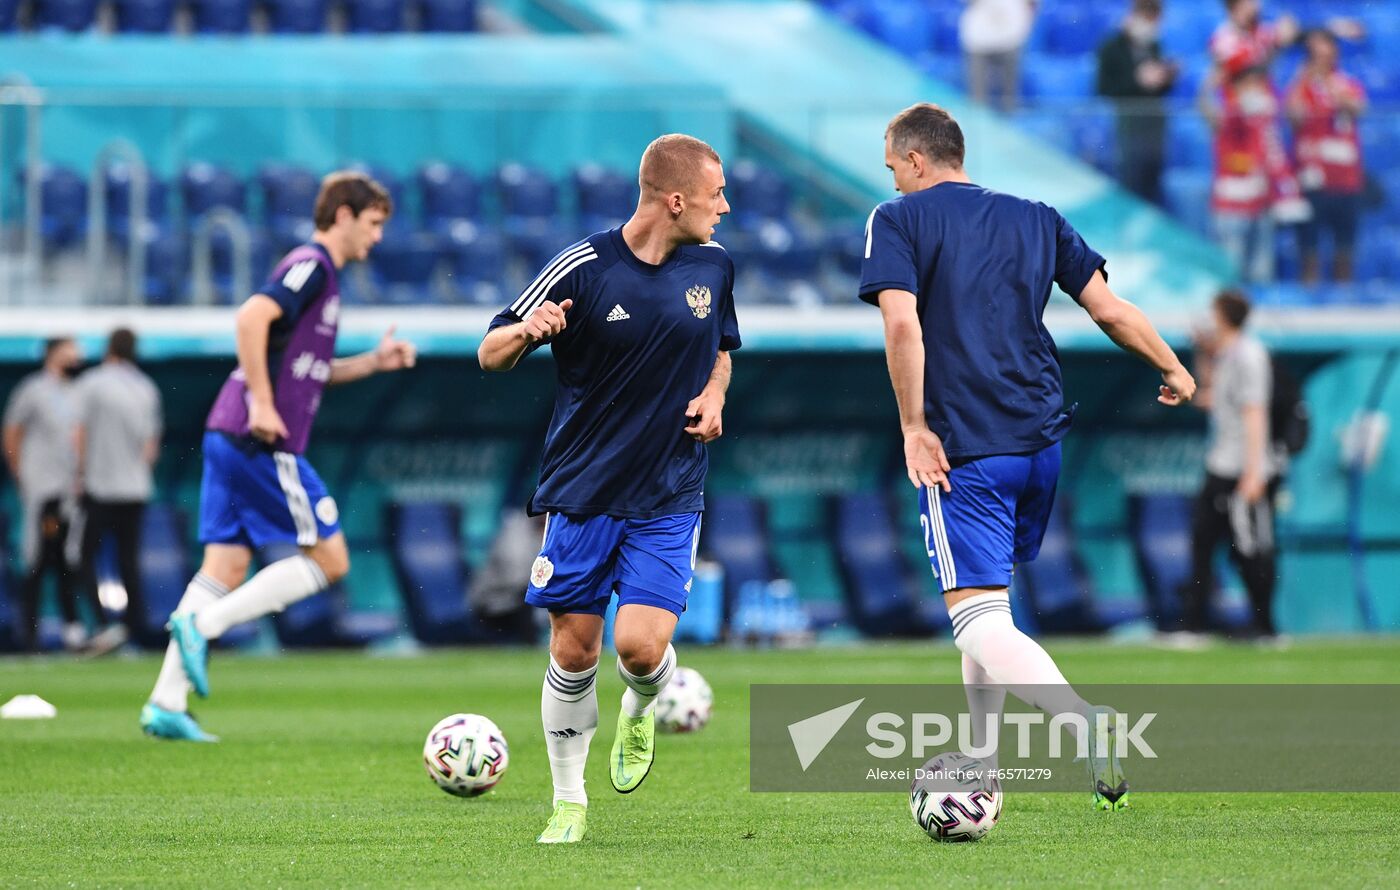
x: 27, y: 707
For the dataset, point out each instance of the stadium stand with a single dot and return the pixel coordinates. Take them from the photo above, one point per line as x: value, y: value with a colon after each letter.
x: 426, y: 547
x: 883, y: 597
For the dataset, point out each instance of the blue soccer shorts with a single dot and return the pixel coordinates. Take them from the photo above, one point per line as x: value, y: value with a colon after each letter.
x: 994, y: 517
x: 584, y: 559
x: 255, y: 497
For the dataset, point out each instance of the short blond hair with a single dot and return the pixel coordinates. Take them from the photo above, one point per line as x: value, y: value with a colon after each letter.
x: 672, y: 163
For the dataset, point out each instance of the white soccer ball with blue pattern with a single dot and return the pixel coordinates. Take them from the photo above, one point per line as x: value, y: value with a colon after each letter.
x: 685, y: 704
x: 466, y: 754
x: 953, y: 798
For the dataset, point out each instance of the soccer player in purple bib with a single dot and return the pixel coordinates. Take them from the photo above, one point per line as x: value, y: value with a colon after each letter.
x: 640, y: 320
x: 257, y: 488
x: 962, y: 275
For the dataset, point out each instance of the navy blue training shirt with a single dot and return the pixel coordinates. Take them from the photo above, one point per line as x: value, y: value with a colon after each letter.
x: 641, y: 342
x: 981, y: 264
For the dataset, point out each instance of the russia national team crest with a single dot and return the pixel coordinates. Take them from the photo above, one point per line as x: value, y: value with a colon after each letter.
x: 541, y: 571
x: 699, y: 299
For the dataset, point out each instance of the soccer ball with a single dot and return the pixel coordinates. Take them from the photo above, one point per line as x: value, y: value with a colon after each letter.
x: 684, y: 705
x: 465, y: 754
x: 953, y: 799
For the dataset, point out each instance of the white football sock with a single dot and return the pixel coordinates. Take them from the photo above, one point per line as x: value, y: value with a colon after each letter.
x: 172, y: 687
x: 640, y: 695
x: 985, y: 699
x: 569, y: 711
x: 983, y: 629
x: 273, y: 589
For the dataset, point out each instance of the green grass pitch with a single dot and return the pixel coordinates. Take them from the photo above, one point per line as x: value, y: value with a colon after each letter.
x: 319, y: 782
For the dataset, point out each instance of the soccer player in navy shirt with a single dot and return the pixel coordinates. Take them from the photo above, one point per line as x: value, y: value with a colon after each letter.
x: 962, y: 275
x: 641, y: 322
x: 258, y: 489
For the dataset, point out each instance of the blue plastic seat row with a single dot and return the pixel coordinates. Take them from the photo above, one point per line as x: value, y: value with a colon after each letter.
x: 237, y: 16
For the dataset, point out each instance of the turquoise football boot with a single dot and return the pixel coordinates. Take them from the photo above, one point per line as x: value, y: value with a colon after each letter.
x: 176, y: 725
x: 194, y: 651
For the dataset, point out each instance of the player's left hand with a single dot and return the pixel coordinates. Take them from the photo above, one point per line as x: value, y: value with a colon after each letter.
x: 925, y: 461
x: 393, y: 354
x: 706, y: 415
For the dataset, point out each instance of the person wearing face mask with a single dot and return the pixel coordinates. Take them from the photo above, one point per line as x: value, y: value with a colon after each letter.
x: 1324, y: 104
x: 1254, y: 186
x: 38, y: 442
x: 1134, y: 75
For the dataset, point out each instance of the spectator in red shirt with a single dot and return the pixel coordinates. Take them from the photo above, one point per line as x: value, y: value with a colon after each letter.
x: 1254, y: 186
x: 1324, y: 104
x: 1244, y: 41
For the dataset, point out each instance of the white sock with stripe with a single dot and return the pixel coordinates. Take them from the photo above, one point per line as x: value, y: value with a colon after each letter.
x: 273, y: 589
x: 172, y: 688
x: 569, y: 711
x: 983, y: 630
x: 640, y: 695
x: 985, y: 701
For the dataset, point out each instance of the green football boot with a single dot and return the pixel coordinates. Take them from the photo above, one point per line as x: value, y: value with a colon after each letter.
x: 567, y: 824
x: 633, y: 751
x: 1110, y: 785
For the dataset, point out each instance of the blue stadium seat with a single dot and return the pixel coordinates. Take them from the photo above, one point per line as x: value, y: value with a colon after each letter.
x: 758, y: 193
x: 222, y: 16
x: 288, y: 195
x: 449, y: 193
x: 1380, y: 144
x: 10, y: 638
x: 1189, y: 142
x: 1388, y: 178
x: 119, y: 182
x: 167, y: 265
x: 1054, y: 78
x: 322, y: 620
x: 1096, y: 135
x: 1160, y: 527
x: 905, y: 27
x: 426, y: 548
x: 1055, y: 585
x: 948, y: 68
x: 9, y: 17
x: 374, y: 16
x: 477, y: 262
x: 883, y: 597
x: 1187, y: 28
x: 166, y: 570
x: 222, y: 270
x: 296, y: 16
x: 450, y: 16
x: 1187, y: 195
x: 735, y: 535
x: 526, y: 192
x: 1288, y: 254
x: 1077, y: 29
x: 1048, y: 126
x: 404, y: 264
x: 144, y: 16
x: 845, y: 245
x: 784, y: 252
x: 1380, y: 77
x: 62, y: 205
x: 391, y: 181
x: 606, y: 198
x: 68, y: 15
x: 945, y: 18
x: 204, y: 186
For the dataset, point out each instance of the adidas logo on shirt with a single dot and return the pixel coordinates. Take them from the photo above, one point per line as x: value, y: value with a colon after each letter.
x: 618, y: 313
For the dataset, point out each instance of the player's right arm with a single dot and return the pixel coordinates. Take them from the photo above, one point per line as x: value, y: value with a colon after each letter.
x: 503, y: 346
x: 1127, y: 326
x: 254, y: 325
